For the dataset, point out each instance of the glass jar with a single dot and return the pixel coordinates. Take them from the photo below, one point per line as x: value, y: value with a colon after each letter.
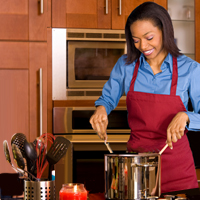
x: 73, y: 191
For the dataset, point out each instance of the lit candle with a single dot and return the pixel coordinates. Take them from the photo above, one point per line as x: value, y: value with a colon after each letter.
x: 73, y: 192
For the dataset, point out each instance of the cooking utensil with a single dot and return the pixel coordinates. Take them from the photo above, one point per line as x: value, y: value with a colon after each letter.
x: 7, y: 155
x: 57, y: 150
x: 18, y: 156
x: 41, y: 149
x: 18, y: 139
x: 163, y: 149
x: 30, y: 150
x: 20, y: 160
x: 108, y: 146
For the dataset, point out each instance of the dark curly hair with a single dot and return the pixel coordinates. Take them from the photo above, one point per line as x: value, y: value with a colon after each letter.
x: 161, y: 19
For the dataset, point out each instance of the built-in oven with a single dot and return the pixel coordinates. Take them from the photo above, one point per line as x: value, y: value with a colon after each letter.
x: 84, y: 160
x: 82, y: 60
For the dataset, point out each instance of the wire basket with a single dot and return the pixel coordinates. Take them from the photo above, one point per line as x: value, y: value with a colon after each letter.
x: 39, y: 190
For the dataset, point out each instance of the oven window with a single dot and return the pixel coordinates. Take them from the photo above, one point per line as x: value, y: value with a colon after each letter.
x: 117, y: 119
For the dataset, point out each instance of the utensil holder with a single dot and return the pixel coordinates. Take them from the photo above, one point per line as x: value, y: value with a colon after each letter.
x: 39, y: 190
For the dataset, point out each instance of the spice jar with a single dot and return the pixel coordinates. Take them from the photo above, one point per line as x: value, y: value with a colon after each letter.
x: 73, y: 191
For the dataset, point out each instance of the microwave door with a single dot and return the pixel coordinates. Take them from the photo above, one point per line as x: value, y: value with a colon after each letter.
x: 90, y: 63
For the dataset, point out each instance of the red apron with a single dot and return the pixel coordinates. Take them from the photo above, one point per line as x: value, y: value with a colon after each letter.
x: 149, y: 116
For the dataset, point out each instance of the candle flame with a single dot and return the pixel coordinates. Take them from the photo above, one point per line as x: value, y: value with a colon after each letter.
x: 75, y: 188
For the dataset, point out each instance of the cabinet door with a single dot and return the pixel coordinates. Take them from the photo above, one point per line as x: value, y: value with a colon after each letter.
x: 104, y: 14
x: 74, y: 13
x: 39, y: 19
x: 22, y: 20
x: 14, y: 106
x: 38, y: 60
x: 14, y: 19
x: 121, y: 12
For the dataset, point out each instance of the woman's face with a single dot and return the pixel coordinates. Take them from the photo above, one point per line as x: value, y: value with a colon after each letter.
x: 148, y: 39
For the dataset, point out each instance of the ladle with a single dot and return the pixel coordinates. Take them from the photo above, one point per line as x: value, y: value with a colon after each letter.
x: 19, y: 160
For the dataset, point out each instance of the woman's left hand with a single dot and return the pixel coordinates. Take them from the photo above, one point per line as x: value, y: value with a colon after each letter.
x: 176, y: 128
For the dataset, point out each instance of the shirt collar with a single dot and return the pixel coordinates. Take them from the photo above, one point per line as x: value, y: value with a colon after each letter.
x: 168, y: 60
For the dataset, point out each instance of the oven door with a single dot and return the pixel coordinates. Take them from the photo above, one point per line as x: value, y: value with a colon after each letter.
x: 74, y: 122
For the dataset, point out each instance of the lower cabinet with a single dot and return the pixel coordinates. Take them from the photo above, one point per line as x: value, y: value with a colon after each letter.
x: 20, y: 63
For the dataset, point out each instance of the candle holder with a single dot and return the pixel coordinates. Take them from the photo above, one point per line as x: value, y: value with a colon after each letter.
x: 35, y: 190
x: 73, y: 191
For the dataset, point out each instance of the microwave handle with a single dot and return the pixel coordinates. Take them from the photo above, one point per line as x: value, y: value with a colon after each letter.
x: 40, y: 85
x: 106, y: 7
x: 120, y: 7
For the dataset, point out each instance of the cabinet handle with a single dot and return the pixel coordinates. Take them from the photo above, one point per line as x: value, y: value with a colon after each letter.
x: 40, y: 84
x: 41, y: 6
x: 106, y: 7
x: 120, y: 7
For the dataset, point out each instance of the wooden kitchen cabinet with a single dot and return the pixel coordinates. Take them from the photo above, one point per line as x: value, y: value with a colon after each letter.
x: 19, y: 88
x: 22, y: 20
x: 100, y: 14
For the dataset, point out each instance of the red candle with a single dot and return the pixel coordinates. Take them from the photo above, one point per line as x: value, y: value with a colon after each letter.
x: 72, y: 191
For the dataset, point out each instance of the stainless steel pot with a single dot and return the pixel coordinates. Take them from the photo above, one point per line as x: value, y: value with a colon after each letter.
x: 132, y: 176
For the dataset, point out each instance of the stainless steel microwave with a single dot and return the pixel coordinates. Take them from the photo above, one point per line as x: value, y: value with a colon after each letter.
x: 82, y: 60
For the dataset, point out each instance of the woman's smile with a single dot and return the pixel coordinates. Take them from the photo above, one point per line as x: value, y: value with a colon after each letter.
x: 148, y: 52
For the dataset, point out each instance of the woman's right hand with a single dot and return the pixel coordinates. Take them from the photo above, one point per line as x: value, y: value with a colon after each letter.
x: 99, y: 122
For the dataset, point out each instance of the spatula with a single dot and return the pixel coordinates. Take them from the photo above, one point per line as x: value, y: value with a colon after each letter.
x: 57, y: 150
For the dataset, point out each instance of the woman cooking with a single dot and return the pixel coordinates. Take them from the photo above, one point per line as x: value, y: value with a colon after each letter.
x: 158, y: 81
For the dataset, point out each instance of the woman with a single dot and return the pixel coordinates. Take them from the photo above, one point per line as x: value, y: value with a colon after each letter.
x: 158, y: 81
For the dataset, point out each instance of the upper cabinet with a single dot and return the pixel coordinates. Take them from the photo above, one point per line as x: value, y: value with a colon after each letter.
x: 24, y: 19
x: 102, y: 14
x: 182, y: 13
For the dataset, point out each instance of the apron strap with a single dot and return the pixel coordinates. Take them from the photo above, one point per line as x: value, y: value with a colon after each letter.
x: 174, y: 77
x: 134, y: 75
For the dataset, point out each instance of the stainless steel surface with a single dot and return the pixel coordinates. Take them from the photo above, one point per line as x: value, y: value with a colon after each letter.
x: 106, y: 7
x: 60, y: 52
x: 41, y: 99
x: 62, y: 123
x: 120, y: 7
x: 35, y: 190
x: 41, y: 6
x: 132, y: 176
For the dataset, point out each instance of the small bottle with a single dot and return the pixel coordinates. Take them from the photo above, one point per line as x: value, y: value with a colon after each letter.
x: 71, y: 191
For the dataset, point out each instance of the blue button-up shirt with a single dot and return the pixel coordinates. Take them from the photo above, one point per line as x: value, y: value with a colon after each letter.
x: 188, y: 85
